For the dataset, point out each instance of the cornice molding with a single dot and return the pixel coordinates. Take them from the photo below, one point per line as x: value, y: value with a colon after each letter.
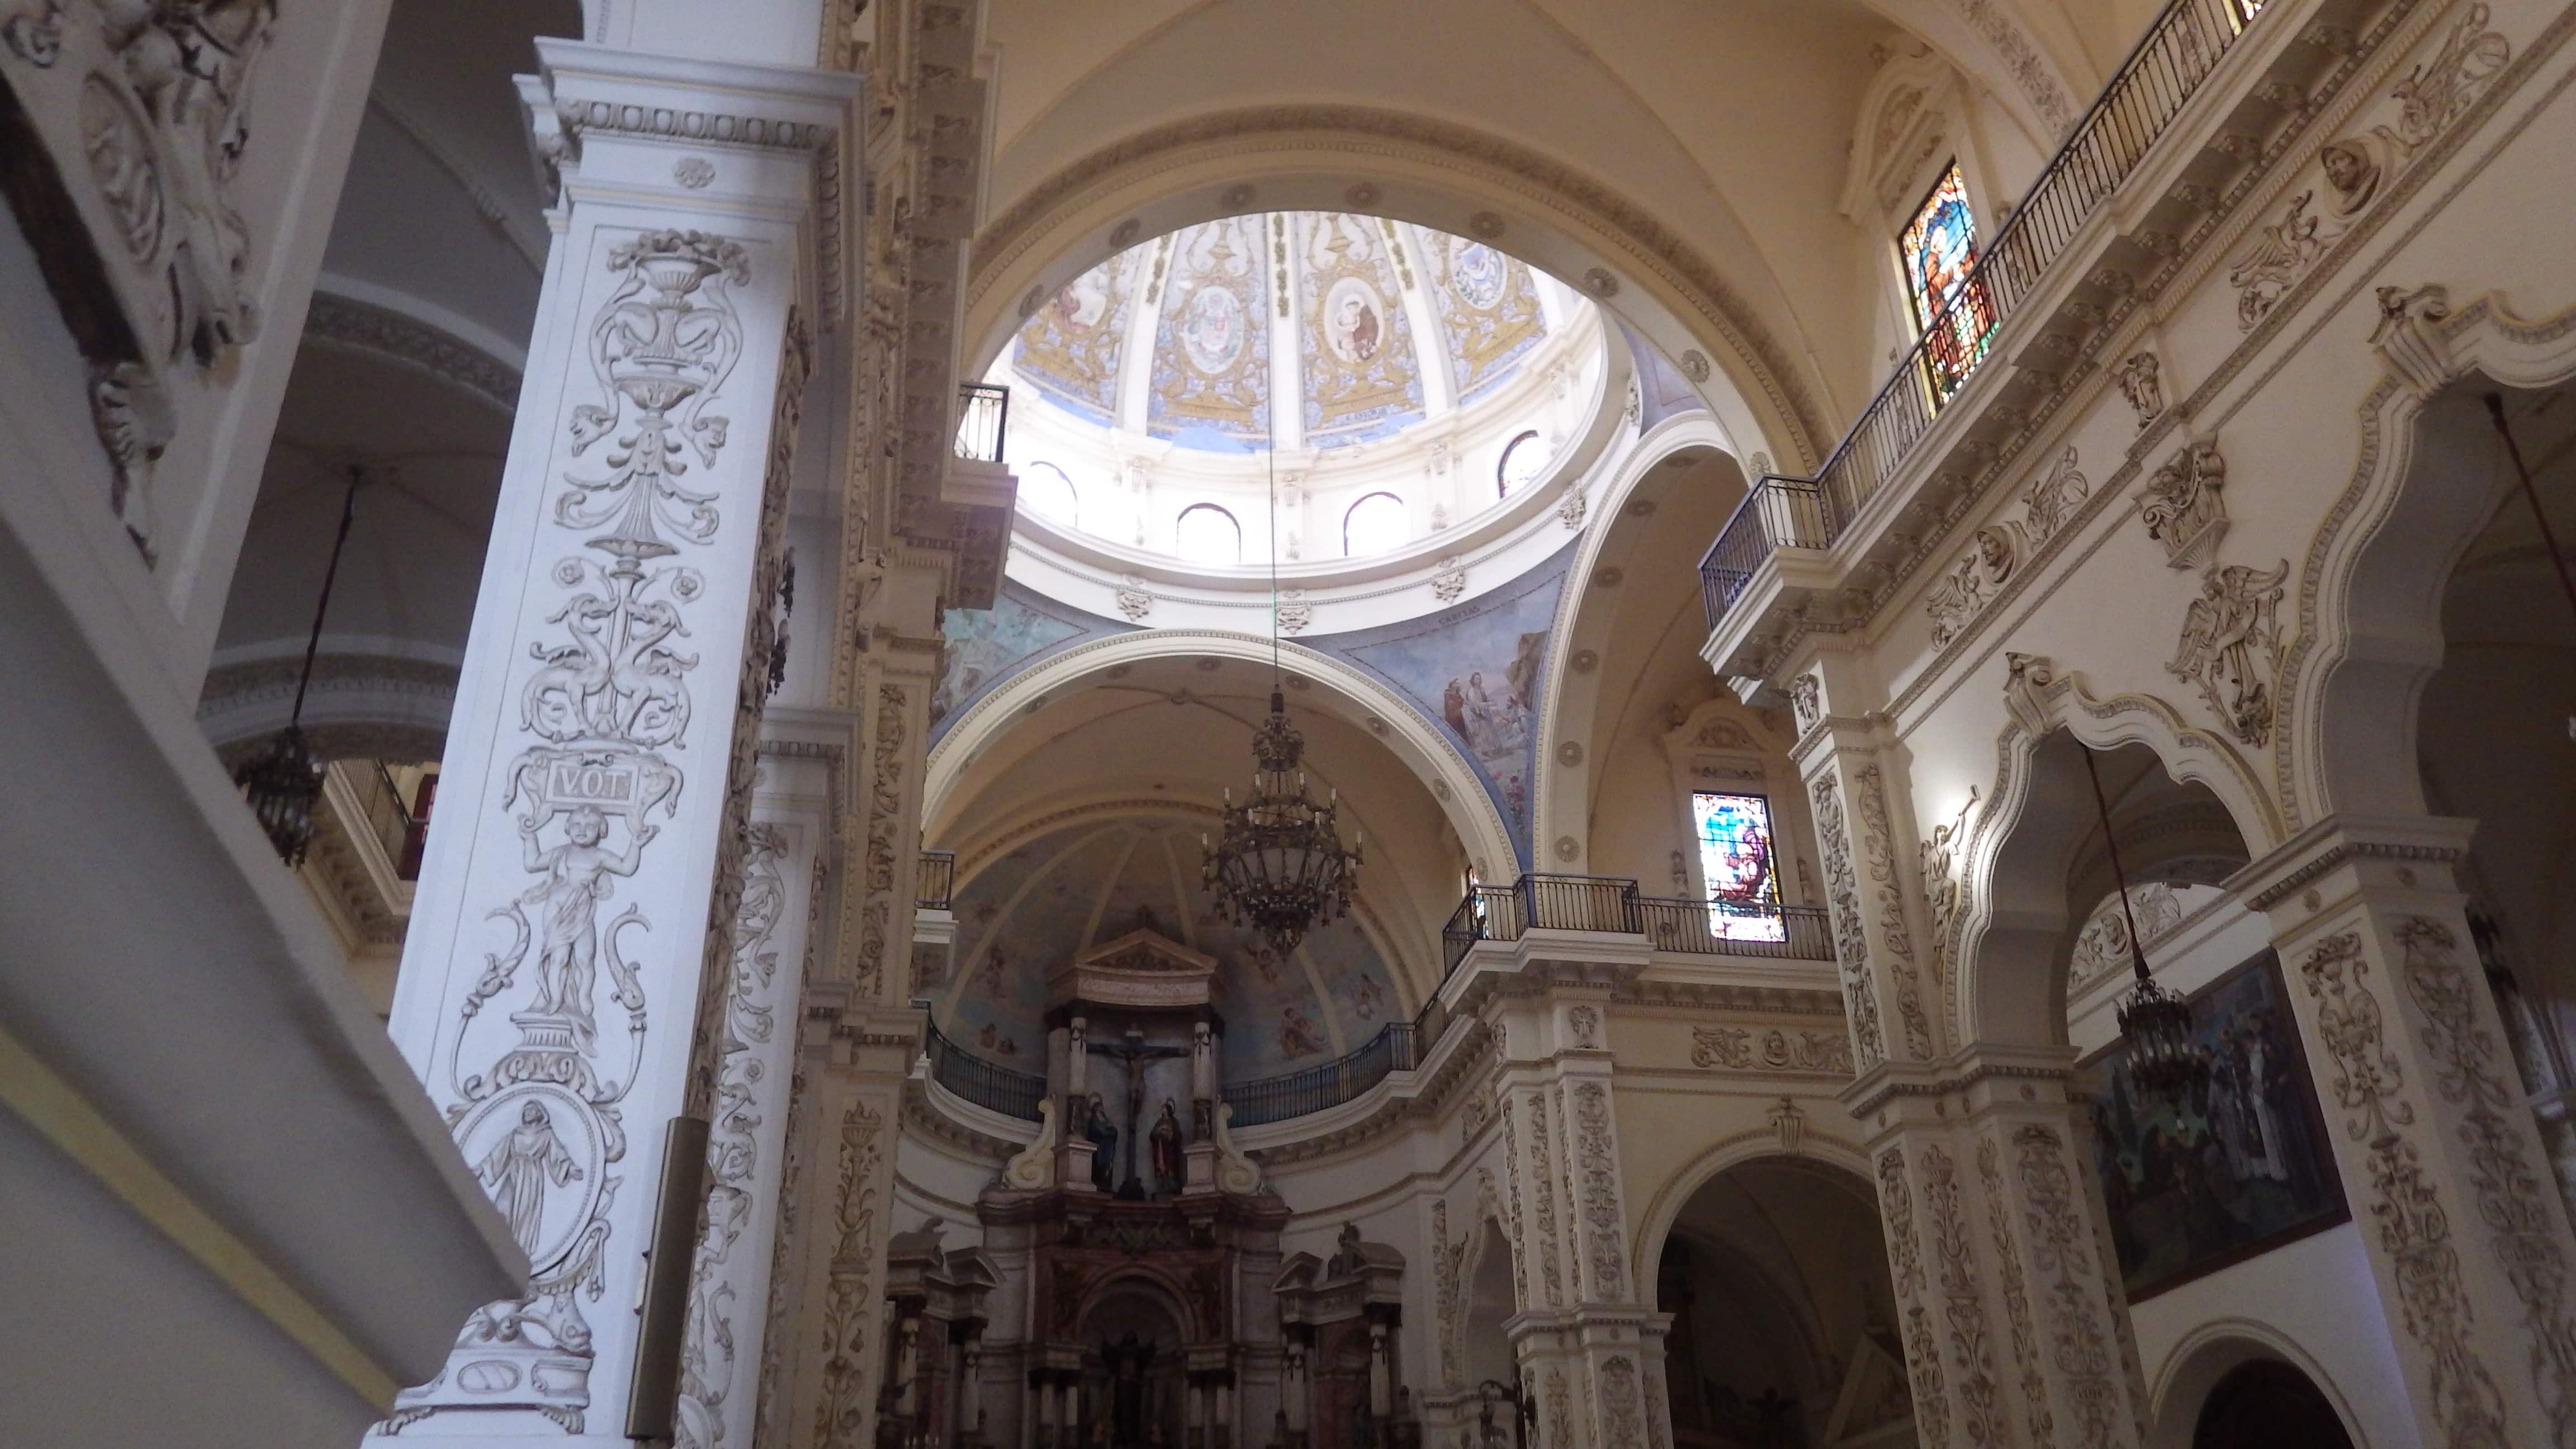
x: 341, y: 322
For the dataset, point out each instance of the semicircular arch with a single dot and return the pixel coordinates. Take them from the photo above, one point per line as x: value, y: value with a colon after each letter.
x: 1433, y: 173
x: 1829, y: 1155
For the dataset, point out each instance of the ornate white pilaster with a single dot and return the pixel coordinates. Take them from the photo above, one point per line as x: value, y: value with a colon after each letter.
x: 2440, y: 1160
x: 565, y: 991
x: 1893, y: 985
x: 2016, y: 1329
x: 1589, y: 1343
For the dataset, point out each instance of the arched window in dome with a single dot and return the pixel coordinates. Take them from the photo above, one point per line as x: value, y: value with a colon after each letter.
x: 1524, y: 458
x: 1207, y: 534
x: 1938, y: 252
x: 1375, y: 524
x: 1048, y: 493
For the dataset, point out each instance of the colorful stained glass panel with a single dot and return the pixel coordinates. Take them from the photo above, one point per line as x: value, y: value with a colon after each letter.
x: 1939, y: 254
x: 1735, y: 860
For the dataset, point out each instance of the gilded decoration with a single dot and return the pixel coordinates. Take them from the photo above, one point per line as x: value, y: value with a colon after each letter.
x: 1362, y: 380
x: 1488, y: 307
x: 1212, y: 342
x: 1069, y: 349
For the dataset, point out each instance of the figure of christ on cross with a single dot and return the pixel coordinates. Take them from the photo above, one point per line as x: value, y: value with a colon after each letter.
x: 1134, y: 1051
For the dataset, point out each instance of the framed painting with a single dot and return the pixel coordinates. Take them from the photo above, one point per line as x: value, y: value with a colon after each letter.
x: 2239, y: 1166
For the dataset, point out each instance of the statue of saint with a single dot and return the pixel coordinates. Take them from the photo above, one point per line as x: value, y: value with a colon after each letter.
x: 1165, y: 1141
x: 520, y: 1167
x: 576, y: 881
x: 1103, y: 1134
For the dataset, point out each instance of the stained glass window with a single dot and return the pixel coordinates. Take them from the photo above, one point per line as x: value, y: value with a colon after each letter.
x: 1735, y: 862
x: 1938, y: 251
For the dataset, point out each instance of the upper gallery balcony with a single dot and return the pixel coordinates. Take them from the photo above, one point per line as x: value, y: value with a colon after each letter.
x: 2187, y: 116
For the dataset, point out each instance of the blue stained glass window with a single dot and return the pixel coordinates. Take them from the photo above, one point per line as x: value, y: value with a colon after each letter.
x: 1735, y: 860
x: 1954, y: 311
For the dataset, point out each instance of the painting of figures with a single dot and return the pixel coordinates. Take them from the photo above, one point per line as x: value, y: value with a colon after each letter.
x: 2238, y: 1165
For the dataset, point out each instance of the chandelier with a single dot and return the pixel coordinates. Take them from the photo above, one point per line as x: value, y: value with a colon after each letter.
x: 1278, y: 864
x: 2154, y: 1020
x: 284, y: 781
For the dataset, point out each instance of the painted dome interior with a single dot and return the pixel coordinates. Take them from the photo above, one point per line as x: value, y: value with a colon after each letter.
x: 1049, y: 899
x: 1153, y: 395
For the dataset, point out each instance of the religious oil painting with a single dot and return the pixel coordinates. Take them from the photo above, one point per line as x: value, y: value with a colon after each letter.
x: 2240, y: 1164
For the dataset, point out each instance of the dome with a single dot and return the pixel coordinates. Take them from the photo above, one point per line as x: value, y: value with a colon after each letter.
x: 1373, y: 381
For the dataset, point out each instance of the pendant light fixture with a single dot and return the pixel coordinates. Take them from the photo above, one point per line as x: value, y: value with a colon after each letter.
x: 2155, y: 1022
x: 284, y: 782
x: 1278, y: 864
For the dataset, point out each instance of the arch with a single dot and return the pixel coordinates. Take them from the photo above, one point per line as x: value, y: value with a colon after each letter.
x: 1561, y: 806
x: 1655, y: 1224
x: 1383, y: 528
x: 2029, y: 872
x: 1339, y: 687
x: 2210, y: 1352
x: 2369, y: 635
x: 1434, y: 173
x: 1480, y: 1324
x: 1205, y: 533
x: 2046, y: 702
x: 363, y: 704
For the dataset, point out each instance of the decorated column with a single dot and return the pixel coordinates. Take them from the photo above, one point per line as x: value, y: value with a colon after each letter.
x: 2008, y: 1293
x: 1589, y: 1344
x: 2438, y: 1154
x: 563, y: 994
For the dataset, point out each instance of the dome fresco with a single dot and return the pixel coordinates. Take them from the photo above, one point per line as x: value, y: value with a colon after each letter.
x: 1049, y: 899
x: 1351, y: 355
x: 1373, y: 305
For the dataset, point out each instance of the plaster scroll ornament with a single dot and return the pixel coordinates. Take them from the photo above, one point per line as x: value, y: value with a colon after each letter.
x: 1450, y: 581
x: 1032, y: 1168
x: 2102, y: 947
x: 1570, y: 508
x: 1805, y: 701
x: 1943, y: 889
x: 2264, y: 272
x: 2029, y: 680
x: 1788, y: 1124
x: 2409, y: 338
x: 2142, y: 386
x: 2184, y: 505
x: 1584, y: 1022
x: 1235, y: 1173
x: 1851, y: 946
x: 1975, y: 581
x: 1132, y: 599
x: 2231, y: 647
x: 2052, y: 496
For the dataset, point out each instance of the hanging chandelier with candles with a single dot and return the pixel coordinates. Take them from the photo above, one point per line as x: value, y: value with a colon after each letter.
x: 1278, y: 864
x: 283, y: 782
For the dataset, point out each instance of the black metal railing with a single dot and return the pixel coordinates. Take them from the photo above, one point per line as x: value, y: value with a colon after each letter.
x: 2178, y: 52
x: 937, y: 878
x: 986, y: 1084
x: 983, y: 414
x: 1612, y: 904
x: 1714, y: 928
x: 1396, y: 1048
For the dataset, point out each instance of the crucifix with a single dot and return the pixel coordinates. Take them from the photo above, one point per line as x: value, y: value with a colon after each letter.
x: 1134, y: 1052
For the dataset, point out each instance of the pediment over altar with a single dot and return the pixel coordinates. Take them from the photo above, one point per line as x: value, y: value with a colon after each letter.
x: 1143, y: 969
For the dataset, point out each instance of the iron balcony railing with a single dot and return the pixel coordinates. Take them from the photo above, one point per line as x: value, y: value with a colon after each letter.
x: 1399, y: 1046
x: 986, y: 1084
x: 937, y: 878
x: 983, y: 415
x: 1612, y: 904
x: 2151, y: 87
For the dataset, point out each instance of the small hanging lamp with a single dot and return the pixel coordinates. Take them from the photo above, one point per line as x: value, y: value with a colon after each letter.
x: 2155, y: 1022
x: 284, y: 781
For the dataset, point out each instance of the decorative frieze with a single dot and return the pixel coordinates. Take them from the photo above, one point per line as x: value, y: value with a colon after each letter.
x: 1771, y: 1049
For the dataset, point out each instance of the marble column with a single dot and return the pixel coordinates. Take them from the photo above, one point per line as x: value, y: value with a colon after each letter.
x: 2440, y: 1160
x: 1587, y: 1342
x: 565, y: 974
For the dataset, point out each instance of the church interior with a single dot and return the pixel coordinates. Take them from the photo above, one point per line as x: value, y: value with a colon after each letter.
x: 1217, y: 724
